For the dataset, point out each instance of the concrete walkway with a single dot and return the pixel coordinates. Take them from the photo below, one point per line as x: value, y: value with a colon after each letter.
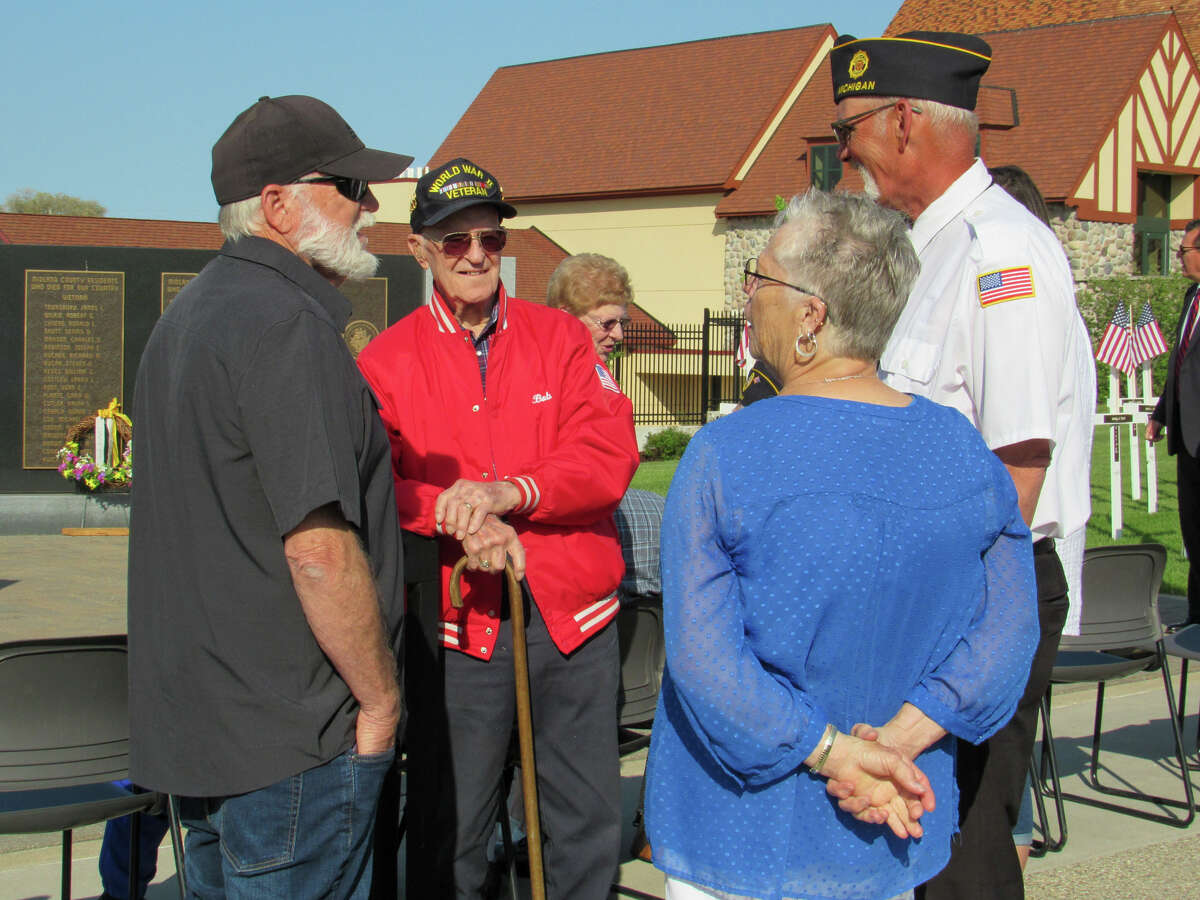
x: 52, y: 585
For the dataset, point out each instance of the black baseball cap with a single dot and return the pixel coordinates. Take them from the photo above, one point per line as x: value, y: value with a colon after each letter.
x: 943, y: 66
x: 452, y: 186
x: 280, y: 139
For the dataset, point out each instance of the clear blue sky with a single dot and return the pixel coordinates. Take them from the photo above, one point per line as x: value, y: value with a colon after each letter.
x: 120, y: 102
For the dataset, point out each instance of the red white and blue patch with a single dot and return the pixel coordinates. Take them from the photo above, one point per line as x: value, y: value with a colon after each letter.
x: 606, y: 380
x: 1004, y: 285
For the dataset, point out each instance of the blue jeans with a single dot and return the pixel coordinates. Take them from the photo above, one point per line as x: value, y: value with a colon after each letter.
x: 114, y: 851
x: 307, y: 836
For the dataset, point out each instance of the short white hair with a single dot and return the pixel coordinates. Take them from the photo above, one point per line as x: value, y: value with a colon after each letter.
x: 941, y: 115
x: 244, y: 218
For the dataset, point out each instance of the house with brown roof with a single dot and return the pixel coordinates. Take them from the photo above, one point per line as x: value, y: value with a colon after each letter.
x: 671, y: 159
x: 629, y: 153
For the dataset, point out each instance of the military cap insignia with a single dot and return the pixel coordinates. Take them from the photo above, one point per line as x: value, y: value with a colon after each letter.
x: 858, y: 64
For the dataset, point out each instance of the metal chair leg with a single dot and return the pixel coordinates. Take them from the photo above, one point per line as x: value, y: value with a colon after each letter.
x: 177, y: 844
x: 66, y: 865
x: 1047, y: 783
x: 135, y: 854
x: 1189, y: 802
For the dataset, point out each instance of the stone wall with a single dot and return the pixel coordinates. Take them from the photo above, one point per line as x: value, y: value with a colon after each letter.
x: 746, y: 237
x: 1095, y: 249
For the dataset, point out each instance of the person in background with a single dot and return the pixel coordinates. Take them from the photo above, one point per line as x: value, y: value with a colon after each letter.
x: 842, y: 553
x: 990, y: 329
x: 594, y: 289
x: 1177, y: 415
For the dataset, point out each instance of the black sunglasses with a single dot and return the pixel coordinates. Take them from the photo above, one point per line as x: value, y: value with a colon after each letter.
x: 458, y: 243
x: 353, y: 189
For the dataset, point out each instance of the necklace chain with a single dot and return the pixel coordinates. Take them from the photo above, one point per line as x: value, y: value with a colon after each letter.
x: 841, y: 378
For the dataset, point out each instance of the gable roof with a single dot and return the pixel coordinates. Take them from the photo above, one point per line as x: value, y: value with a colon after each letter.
x: 1059, y: 132
x: 1055, y: 139
x: 995, y: 15
x: 680, y: 118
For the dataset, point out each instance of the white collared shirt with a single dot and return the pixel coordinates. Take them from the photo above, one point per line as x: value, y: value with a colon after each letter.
x: 1020, y: 369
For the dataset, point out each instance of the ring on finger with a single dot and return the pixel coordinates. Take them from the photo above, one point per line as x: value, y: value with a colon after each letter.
x: 467, y: 505
x: 485, y: 564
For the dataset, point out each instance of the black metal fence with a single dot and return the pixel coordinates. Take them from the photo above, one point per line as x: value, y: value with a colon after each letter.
x: 679, y: 374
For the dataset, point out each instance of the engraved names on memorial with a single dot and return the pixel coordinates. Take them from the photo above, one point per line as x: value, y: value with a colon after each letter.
x: 74, y: 348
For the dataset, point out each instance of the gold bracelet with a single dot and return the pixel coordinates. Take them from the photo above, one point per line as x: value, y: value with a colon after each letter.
x: 831, y: 733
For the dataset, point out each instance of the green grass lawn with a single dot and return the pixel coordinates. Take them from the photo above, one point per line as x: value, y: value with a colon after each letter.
x: 1140, y: 526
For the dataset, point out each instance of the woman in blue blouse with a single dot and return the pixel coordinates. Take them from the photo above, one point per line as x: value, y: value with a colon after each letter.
x: 839, y: 554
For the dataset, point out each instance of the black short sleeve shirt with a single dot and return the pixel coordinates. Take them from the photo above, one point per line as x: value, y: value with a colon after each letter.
x: 249, y: 414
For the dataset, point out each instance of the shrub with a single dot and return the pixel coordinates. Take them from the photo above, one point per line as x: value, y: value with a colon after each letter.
x: 666, y: 444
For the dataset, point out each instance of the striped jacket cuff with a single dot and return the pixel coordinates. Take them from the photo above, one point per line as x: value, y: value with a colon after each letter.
x: 531, y: 495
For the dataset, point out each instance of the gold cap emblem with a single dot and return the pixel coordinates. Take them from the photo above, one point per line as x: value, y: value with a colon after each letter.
x: 858, y: 63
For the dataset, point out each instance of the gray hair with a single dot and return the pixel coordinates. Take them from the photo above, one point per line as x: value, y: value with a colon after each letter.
x: 941, y: 115
x: 244, y: 218
x: 857, y: 257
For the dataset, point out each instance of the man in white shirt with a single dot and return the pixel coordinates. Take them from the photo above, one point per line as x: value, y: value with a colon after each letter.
x: 991, y: 329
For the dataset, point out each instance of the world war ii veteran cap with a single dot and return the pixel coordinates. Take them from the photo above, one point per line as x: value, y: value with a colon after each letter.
x: 280, y: 139
x: 452, y: 186
x: 929, y: 65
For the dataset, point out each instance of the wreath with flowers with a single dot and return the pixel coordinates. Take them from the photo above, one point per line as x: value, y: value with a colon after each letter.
x: 114, y: 469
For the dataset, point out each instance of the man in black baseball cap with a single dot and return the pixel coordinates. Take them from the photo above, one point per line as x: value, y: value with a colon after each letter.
x: 265, y: 583
x: 991, y: 329
x: 512, y: 442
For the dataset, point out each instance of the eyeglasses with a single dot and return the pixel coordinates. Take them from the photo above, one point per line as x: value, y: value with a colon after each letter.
x: 609, y: 325
x: 843, y: 128
x: 353, y: 189
x: 754, y: 278
x: 458, y: 243
x: 1182, y: 250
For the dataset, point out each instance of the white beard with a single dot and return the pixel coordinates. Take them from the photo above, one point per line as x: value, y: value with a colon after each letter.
x: 333, y: 247
x: 870, y: 188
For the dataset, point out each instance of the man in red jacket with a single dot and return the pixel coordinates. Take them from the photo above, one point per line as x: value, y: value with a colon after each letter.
x: 510, y: 440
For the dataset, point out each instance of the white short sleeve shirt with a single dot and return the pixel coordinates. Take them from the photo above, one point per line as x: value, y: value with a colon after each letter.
x: 991, y: 328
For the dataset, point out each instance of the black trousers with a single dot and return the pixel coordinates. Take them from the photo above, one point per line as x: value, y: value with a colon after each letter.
x: 983, y: 860
x: 574, y: 701
x: 1187, y: 469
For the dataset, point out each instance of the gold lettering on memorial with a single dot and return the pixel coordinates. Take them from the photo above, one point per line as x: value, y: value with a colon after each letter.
x: 172, y: 284
x: 74, y: 354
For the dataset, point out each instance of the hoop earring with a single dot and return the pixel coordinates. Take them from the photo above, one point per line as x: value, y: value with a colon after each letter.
x: 810, y: 340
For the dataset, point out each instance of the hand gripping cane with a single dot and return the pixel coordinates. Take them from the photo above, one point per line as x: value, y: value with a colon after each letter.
x: 533, y: 828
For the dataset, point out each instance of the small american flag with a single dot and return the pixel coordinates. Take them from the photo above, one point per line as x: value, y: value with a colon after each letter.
x: 1116, y: 347
x: 1148, y: 339
x: 606, y: 380
x: 1006, y: 284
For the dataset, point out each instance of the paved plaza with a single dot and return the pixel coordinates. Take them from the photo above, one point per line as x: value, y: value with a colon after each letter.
x: 53, y: 585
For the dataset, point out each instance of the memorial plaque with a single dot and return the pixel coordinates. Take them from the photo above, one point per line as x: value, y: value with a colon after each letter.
x: 74, y: 353
x: 368, y: 303
x: 172, y: 284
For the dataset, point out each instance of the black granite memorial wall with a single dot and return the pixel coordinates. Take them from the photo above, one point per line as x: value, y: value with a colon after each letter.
x: 74, y: 320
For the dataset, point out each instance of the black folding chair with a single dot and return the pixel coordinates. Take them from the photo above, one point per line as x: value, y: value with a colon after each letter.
x: 1120, y: 635
x: 64, y: 740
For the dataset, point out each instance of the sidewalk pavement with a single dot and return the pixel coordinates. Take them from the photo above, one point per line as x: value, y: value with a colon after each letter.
x: 52, y: 585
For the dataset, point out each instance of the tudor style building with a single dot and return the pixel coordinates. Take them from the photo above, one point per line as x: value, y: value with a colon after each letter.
x: 672, y: 159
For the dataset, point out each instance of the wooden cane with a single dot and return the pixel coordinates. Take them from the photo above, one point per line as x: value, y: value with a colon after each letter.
x: 533, y: 827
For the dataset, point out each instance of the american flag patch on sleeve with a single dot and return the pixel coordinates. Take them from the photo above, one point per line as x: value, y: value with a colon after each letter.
x: 1005, y: 285
x: 606, y: 380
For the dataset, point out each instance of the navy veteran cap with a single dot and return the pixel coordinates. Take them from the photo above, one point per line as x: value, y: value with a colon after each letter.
x: 280, y: 139
x: 928, y: 65
x: 452, y: 186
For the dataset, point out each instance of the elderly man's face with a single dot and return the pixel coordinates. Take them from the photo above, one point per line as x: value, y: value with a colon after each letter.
x: 329, y: 232
x: 474, y: 276
x: 867, y: 148
x: 1189, y: 254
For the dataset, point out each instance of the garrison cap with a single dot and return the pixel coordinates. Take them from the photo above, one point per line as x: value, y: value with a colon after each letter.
x: 943, y: 66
